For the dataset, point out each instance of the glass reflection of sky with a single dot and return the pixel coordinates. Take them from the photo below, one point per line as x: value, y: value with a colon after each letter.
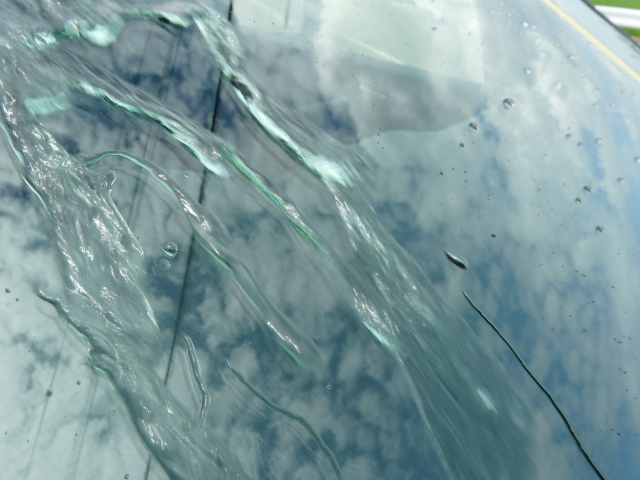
x: 501, y: 194
x: 512, y: 199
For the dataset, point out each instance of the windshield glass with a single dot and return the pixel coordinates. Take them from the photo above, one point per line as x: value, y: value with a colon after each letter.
x: 319, y: 239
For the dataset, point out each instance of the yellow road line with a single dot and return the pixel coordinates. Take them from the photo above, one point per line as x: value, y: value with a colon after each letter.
x: 585, y: 33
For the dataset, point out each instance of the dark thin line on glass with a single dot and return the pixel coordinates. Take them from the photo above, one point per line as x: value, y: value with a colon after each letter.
x: 183, y: 290
x: 78, y: 444
x: 48, y: 394
x: 136, y: 79
x: 193, y: 240
x: 544, y: 390
x: 150, y: 146
x: 286, y: 14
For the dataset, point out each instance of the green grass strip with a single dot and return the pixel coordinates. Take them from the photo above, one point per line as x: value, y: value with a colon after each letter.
x: 618, y: 3
x: 634, y: 4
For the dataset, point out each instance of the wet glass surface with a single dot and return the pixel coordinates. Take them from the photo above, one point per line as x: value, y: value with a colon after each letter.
x: 503, y: 158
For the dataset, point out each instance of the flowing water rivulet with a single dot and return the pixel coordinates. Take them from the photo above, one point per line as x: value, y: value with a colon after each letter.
x: 476, y: 424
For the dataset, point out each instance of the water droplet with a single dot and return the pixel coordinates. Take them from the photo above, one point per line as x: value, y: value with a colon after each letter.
x: 507, y: 103
x: 9, y: 305
x: 598, y: 140
x: 7, y: 290
x: 329, y: 386
x: 636, y: 160
x: 79, y: 382
x: 527, y: 71
x: 169, y: 250
x: 126, y: 476
x: 578, y: 200
x: 163, y: 264
x: 457, y: 261
x: 620, y: 179
x: 568, y: 136
x: 599, y: 229
x: 525, y: 24
x: 473, y: 126
x: 586, y: 189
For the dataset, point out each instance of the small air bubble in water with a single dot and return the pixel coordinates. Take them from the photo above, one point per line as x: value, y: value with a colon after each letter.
x: 568, y: 136
x: 636, y: 160
x: 527, y: 71
x: 329, y: 386
x: 525, y: 24
x: 79, y: 382
x: 169, y: 250
x: 599, y: 229
x: 8, y: 290
x: 598, y: 140
x: 586, y: 189
x: 126, y: 476
x: 507, y: 103
x: 578, y: 200
x: 473, y: 126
